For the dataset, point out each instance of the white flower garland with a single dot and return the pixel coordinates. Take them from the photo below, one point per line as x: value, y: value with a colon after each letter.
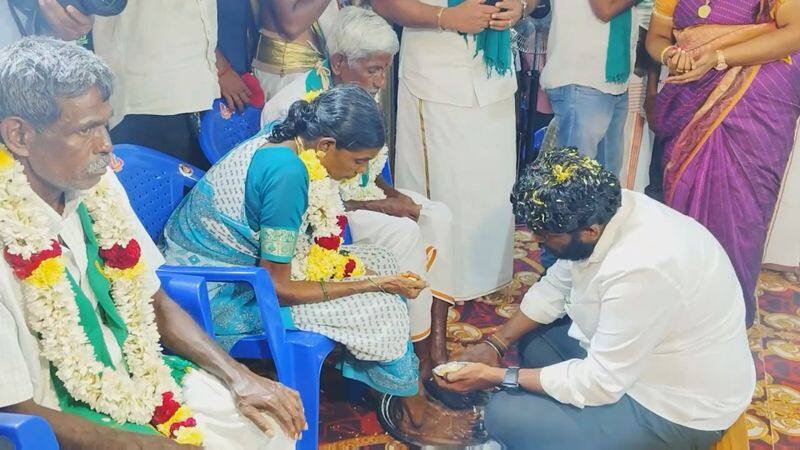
x: 53, y: 314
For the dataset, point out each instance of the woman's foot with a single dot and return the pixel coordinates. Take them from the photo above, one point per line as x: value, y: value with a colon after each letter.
x: 423, y: 421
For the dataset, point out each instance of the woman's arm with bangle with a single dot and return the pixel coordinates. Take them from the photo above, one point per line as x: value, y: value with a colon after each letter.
x: 772, y: 46
x: 294, y: 292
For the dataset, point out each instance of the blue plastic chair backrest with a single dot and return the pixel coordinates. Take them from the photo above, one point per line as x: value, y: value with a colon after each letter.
x: 155, y: 183
x: 221, y: 129
x: 26, y: 432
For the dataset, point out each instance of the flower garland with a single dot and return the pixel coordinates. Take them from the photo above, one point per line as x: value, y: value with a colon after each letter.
x: 318, y: 256
x: 149, y: 393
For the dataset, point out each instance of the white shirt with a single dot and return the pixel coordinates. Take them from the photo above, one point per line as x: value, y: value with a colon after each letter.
x: 25, y: 374
x: 162, y: 56
x: 659, y: 310
x: 442, y: 66
x: 577, y: 47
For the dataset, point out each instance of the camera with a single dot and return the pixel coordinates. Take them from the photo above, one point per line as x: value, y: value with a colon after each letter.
x: 34, y: 23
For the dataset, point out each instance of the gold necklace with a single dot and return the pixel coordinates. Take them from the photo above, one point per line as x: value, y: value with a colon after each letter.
x: 705, y: 10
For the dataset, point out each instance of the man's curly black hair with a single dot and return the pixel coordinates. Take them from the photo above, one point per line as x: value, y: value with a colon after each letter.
x: 563, y: 191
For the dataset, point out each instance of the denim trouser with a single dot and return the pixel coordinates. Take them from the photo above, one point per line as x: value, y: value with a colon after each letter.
x: 592, y: 121
x: 526, y: 421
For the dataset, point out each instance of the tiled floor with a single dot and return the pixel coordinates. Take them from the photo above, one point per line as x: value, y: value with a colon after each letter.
x: 773, y: 417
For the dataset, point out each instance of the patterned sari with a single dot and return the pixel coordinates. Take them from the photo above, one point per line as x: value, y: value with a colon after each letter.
x: 249, y: 207
x: 728, y: 136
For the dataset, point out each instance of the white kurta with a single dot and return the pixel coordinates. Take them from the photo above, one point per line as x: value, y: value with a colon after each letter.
x: 26, y: 375
x: 456, y: 144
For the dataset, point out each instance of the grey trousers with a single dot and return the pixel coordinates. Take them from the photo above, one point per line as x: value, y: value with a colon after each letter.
x: 522, y: 420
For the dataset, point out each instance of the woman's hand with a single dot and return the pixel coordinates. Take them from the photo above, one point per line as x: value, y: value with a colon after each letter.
x: 511, y: 12
x: 407, y: 284
x: 679, y: 61
x: 701, y: 66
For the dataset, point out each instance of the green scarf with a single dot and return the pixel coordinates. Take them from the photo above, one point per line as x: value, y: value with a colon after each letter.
x: 496, y: 46
x: 618, y: 58
x: 91, y: 326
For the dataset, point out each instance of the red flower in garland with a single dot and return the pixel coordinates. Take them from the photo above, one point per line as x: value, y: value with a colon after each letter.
x: 120, y: 257
x: 24, y: 267
x: 167, y: 409
x: 190, y: 422
x: 349, y: 267
x: 329, y: 242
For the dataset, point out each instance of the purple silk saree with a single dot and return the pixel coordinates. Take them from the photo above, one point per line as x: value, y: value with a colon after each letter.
x: 729, y: 135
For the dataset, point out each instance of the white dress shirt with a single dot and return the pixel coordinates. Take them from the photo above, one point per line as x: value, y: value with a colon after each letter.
x: 162, y: 56
x: 25, y: 373
x: 577, y: 47
x: 659, y: 310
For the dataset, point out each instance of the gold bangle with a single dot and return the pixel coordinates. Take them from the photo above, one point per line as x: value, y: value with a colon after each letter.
x: 324, y: 291
x: 664, y: 52
x: 439, y: 18
x: 371, y: 280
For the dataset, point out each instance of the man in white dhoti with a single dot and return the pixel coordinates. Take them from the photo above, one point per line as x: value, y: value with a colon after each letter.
x: 81, y: 312
x: 416, y: 229
x: 456, y: 126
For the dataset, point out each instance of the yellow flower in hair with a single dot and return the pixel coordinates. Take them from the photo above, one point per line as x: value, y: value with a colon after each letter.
x: 561, y: 173
x: 316, y: 171
x: 311, y: 95
x: 47, y: 274
x: 6, y: 160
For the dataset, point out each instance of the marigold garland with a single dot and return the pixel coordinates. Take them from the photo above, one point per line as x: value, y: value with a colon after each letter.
x: 37, y: 261
x: 318, y: 254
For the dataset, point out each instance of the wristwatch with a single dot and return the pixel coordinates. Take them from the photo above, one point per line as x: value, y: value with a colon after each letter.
x: 721, y: 63
x: 511, y: 379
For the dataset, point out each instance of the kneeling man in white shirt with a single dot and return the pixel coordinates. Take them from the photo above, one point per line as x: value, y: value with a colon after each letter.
x: 635, y: 338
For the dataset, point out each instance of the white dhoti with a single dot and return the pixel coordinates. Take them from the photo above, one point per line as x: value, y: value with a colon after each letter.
x: 783, y: 245
x: 223, y: 426
x: 465, y: 158
x: 271, y: 83
x: 423, y: 247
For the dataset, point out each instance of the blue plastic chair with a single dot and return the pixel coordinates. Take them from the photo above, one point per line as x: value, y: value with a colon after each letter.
x: 298, y: 355
x: 27, y: 432
x: 221, y: 131
x: 155, y: 183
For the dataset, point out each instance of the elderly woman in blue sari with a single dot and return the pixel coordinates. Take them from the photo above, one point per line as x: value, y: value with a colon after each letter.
x: 273, y: 201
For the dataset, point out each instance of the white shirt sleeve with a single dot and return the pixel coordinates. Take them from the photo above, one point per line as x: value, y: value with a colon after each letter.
x: 635, y: 312
x: 544, y: 301
x: 15, y: 380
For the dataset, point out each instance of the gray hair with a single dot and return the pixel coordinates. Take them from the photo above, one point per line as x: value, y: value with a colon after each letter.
x: 359, y: 33
x: 36, y: 71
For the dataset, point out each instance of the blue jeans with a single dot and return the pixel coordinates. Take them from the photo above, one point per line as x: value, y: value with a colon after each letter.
x: 591, y: 121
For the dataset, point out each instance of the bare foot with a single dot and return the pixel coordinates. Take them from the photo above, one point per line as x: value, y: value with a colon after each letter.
x: 427, y: 422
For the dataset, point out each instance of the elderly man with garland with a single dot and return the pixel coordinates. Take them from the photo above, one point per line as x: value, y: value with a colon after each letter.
x: 634, y: 339
x: 417, y: 230
x: 81, y: 312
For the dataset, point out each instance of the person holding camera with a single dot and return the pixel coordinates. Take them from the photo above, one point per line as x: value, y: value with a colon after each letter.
x: 62, y: 19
